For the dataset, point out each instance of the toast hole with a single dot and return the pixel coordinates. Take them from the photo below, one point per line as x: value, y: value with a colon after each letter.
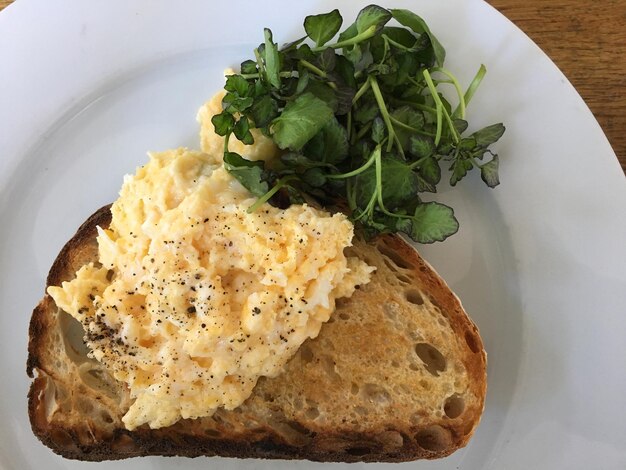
x: 391, y: 440
x: 433, y: 438
x: 312, y: 413
x: 431, y: 357
x: 344, y: 316
x: 328, y: 364
x: 390, y: 265
x: 298, y: 428
x: 454, y: 406
x: 414, y: 296
x: 106, y: 417
x: 394, y: 257
x: 438, y: 305
x: 358, y: 451
x: 306, y: 355
x: 403, y: 278
x: 354, y: 389
x: 414, y: 367
x: 424, y: 384
x: 212, y: 433
x: 110, y: 275
x: 73, y: 333
x: 376, y: 394
x: 395, y: 364
x: 470, y: 339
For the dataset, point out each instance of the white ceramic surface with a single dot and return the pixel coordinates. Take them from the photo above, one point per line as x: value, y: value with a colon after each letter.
x: 86, y: 88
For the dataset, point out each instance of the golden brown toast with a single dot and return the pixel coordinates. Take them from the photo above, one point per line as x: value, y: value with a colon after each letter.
x: 398, y: 373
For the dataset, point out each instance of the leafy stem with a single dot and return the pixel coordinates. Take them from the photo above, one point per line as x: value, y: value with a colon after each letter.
x: 268, y: 195
x: 441, y: 111
x: 313, y: 68
x: 367, y: 34
x: 385, y: 114
x: 473, y: 86
x: 460, y: 110
x: 356, y: 172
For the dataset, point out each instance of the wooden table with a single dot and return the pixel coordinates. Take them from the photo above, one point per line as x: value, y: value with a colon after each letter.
x: 587, y: 40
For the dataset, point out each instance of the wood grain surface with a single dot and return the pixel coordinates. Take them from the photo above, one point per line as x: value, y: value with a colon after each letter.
x: 587, y: 41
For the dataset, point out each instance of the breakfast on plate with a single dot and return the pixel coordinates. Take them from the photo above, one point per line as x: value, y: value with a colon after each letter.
x: 255, y: 298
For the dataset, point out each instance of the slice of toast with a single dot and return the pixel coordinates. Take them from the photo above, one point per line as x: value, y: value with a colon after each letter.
x: 398, y: 373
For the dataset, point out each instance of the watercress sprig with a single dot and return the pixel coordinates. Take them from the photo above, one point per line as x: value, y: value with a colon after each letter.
x: 361, y: 120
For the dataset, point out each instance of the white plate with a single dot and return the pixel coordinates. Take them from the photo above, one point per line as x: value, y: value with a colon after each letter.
x: 86, y: 88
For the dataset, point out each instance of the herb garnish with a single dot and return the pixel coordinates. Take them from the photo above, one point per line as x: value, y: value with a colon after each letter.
x: 361, y: 120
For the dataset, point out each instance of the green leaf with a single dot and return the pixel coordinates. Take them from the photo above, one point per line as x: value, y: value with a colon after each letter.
x: 379, y: 69
x: 400, y: 35
x: 303, y: 80
x: 354, y: 55
x: 430, y: 171
x: 249, y: 174
x: 366, y: 111
x: 315, y: 177
x: 460, y: 125
x: 378, y: 130
x: 242, y: 131
x: 489, y: 135
x: 459, y: 168
x: 348, y: 33
x: 237, y: 84
x: 293, y: 45
x: 424, y: 186
x: 322, y: 91
x: 223, y: 123
x: 263, y: 110
x: 299, y: 161
x: 304, y: 52
x: 330, y: 145
x: 272, y: 60
x: 418, y: 25
x: 372, y: 15
x: 468, y: 143
x: 300, y: 121
x: 421, y: 146
x: 249, y: 67
x: 404, y: 225
x: 344, y: 72
x: 322, y: 28
x: 343, y: 95
x: 433, y: 222
x: 410, y: 117
x: 399, y: 183
x: 236, y: 104
x: 327, y: 60
x: 489, y: 172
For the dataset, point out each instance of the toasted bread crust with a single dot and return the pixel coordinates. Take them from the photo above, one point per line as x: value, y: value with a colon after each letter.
x: 294, y: 437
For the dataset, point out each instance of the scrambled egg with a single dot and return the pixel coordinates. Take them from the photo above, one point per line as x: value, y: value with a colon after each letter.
x: 194, y: 299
